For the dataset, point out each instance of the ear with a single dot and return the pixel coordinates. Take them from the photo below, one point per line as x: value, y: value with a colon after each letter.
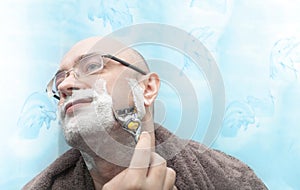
x: 151, y: 86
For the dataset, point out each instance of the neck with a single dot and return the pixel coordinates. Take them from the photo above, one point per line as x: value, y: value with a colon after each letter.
x: 101, y: 170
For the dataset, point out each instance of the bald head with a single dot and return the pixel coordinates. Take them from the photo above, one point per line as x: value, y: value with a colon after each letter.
x: 105, y: 46
x: 134, y: 58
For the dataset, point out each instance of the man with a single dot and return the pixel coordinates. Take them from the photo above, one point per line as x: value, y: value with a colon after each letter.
x: 105, y: 108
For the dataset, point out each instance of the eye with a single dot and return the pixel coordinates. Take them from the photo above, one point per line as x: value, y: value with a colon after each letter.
x: 59, y: 79
x: 92, y: 67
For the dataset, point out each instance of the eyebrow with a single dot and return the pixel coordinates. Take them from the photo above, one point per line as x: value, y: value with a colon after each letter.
x: 59, y: 71
x: 111, y: 57
x: 77, y: 59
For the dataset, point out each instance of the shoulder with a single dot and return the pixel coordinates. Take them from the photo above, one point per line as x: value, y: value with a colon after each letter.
x: 60, y: 172
x: 198, y: 166
x: 225, y: 170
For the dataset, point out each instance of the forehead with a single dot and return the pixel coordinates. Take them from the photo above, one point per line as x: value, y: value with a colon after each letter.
x: 81, y: 48
x: 91, y: 45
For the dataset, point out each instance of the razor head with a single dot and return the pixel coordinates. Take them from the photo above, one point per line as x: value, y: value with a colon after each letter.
x: 129, y: 121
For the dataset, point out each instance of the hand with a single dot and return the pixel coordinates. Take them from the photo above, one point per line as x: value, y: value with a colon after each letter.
x: 147, y: 170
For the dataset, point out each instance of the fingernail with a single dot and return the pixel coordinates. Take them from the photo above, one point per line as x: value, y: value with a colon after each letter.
x: 143, y: 134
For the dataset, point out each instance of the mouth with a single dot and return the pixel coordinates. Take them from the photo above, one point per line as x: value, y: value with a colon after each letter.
x: 72, y: 105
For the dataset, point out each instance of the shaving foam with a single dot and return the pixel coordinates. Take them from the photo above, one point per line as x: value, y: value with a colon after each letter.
x: 88, y: 120
x: 138, y: 97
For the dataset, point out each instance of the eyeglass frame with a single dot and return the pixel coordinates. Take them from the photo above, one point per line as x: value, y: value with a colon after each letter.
x: 52, y: 93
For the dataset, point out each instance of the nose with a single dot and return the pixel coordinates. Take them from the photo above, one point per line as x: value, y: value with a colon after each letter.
x: 68, y: 85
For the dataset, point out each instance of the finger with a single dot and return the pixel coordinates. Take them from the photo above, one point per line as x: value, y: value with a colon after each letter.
x: 156, y: 160
x: 170, y: 180
x: 157, y: 171
x: 141, y: 157
x: 116, y: 181
x: 158, y: 166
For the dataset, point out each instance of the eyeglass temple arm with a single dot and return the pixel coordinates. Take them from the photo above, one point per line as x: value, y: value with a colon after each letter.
x: 53, y: 94
x: 126, y: 64
x: 113, y: 58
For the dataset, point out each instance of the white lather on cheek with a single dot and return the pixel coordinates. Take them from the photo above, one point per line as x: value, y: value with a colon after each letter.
x: 100, y: 87
x: 103, y: 103
x: 89, y: 120
x: 138, y: 97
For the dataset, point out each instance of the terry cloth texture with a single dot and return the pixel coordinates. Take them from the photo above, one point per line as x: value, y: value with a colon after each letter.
x: 197, y: 167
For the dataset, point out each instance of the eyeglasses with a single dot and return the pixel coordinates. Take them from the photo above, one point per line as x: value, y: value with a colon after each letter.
x: 87, y: 65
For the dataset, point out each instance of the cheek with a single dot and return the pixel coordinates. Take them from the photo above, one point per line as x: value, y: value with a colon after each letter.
x: 101, y: 85
x: 106, y: 80
x: 115, y: 89
x: 138, y: 97
x: 121, y: 94
x: 109, y: 87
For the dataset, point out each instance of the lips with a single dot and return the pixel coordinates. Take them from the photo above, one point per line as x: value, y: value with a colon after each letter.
x: 69, y: 107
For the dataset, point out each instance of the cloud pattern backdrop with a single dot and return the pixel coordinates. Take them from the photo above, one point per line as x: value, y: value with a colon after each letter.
x: 256, y: 45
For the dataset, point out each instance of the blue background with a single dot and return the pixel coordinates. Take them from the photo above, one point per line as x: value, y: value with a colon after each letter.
x: 255, y: 43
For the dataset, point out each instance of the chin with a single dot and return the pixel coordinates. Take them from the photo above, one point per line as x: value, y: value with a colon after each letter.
x: 93, y: 129
x: 85, y: 126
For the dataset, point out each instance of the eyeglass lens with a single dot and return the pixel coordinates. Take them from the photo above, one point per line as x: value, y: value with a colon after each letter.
x: 86, y: 66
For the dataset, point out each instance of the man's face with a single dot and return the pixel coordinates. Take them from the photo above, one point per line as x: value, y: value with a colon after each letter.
x: 87, y: 104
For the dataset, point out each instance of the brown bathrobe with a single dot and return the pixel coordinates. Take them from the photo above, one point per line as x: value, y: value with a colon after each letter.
x: 196, y: 166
